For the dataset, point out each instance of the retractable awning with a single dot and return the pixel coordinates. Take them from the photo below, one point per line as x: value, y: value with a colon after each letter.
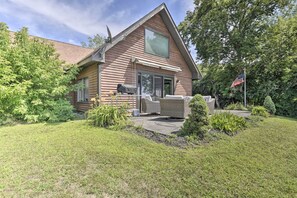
x: 155, y: 64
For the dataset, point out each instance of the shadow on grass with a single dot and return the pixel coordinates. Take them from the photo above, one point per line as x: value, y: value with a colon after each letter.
x: 285, y: 118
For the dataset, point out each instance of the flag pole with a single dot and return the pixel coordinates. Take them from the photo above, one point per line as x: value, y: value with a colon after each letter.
x: 244, y: 73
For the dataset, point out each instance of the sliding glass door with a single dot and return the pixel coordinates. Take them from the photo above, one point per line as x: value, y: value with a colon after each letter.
x: 158, y: 87
x: 168, y: 86
x: 155, y: 85
x: 147, y: 84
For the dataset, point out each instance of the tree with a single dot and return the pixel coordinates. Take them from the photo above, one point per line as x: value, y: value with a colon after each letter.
x: 94, y: 42
x: 33, y: 81
x: 227, y: 32
x: 276, y: 71
x: 230, y: 35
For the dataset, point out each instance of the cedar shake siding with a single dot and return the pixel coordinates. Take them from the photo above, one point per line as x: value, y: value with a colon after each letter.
x: 118, y: 67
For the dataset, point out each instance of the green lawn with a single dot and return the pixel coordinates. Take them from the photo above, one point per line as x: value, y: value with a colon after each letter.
x: 74, y: 160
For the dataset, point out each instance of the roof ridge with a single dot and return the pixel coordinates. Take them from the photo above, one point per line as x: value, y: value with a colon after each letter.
x: 130, y: 26
x: 56, y: 41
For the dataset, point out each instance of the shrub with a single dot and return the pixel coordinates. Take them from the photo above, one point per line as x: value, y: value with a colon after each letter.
x: 227, y: 122
x: 61, y: 110
x: 250, y: 107
x: 197, y: 122
x: 107, y: 116
x: 269, y: 105
x: 260, y: 111
x: 236, y: 106
x: 33, y: 81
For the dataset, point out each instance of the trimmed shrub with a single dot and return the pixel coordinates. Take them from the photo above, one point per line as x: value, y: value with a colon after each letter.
x: 236, y: 106
x: 269, y: 105
x: 260, y: 111
x: 197, y: 123
x: 227, y: 123
x: 108, y: 116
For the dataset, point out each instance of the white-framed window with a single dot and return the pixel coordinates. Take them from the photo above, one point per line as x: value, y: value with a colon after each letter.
x: 156, y: 43
x: 83, y: 91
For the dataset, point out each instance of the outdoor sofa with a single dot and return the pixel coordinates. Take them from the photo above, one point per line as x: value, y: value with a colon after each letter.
x: 177, y: 106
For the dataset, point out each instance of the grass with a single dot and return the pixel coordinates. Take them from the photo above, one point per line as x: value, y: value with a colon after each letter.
x: 74, y: 160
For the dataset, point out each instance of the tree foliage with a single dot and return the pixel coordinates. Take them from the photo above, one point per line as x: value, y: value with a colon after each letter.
x: 94, y: 42
x: 33, y: 81
x: 228, y: 31
x: 257, y: 34
x: 275, y: 74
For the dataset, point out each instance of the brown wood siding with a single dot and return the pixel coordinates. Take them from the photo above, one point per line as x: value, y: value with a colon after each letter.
x: 118, y: 67
x: 90, y: 73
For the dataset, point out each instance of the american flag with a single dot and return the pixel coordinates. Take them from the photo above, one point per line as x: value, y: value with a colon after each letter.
x: 238, y: 80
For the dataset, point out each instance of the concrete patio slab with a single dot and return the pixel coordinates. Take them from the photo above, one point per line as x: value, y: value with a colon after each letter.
x: 159, y: 124
x: 166, y: 125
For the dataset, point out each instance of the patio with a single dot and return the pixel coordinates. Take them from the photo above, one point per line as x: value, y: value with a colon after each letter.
x: 166, y: 125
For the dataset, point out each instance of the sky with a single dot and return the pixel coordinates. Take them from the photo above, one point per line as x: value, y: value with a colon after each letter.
x: 72, y: 21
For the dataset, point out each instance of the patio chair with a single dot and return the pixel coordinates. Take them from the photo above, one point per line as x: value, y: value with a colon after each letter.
x: 210, y: 103
x: 150, y: 106
x: 175, y: 106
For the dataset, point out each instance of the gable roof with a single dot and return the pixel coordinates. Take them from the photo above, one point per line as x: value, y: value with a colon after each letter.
x: 69, y: 53
x: 98, y: 55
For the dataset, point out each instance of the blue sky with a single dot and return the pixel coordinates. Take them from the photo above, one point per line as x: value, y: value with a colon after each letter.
x: 74, y: 20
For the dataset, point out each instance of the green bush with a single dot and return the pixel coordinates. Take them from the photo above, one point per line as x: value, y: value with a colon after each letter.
x: 197, y: 123
x: 107, y: 116
x: 227, y: 122
x: 269, y: 105
x: 34, y: 83
x: 236, y: 106
x: 61, y: 110
x: 250, y: 107
x: 260, y: 111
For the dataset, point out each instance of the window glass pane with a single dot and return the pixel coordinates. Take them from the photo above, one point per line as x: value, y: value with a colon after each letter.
x: 147, y: 87
x: 156, y: 43
x: 86, y: 89
x: 158, y: 87
x: 168, y: 86
x: 79, y: 92
x: 86, y: 83
x: 83, y: 92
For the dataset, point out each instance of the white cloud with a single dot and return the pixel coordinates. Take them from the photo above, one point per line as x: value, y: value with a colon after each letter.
x: 73, y: 42
x: 189, y: 4
x: 87, y: 19
x: 186, y: 5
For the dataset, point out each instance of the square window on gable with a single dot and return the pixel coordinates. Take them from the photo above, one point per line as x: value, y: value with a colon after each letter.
x: 156, y: 43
